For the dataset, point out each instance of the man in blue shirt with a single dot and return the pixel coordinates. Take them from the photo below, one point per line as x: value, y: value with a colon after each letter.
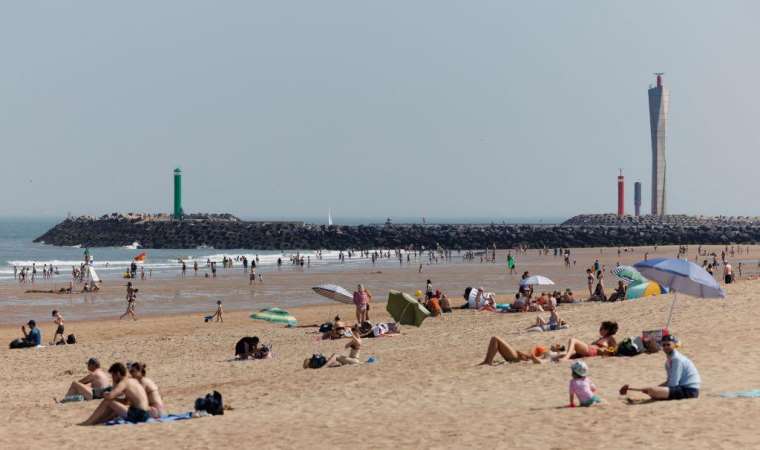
x: 34, y: 337
x: 683, y: 378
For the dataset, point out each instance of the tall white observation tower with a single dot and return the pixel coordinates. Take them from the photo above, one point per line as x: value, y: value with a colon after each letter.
x: 659, y: 101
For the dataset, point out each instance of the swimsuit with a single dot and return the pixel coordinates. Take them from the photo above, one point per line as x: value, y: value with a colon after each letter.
x: 137, y: 415
x: 98, y: 393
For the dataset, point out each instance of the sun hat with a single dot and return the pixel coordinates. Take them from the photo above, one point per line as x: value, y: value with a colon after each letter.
x: 579, y: 368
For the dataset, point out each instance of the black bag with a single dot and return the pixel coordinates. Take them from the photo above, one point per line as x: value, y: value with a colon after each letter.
x: 317, y: 360
x: 627, y: 348
x: 325, y: 327
x: 211, y: 403
x: 71, y: 339
x: 19, y: 343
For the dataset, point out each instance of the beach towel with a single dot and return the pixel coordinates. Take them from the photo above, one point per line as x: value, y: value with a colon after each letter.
x: 166, y: 418
x: 754, y: 393
x: 546, y: 328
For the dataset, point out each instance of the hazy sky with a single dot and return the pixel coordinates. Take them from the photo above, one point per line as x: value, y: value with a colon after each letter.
x: 424, y: 108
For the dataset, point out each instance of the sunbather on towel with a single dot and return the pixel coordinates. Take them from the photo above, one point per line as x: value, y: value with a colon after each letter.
x: 579, y: 349
x: 134, y: 410
x: 156, y: 403
x: 538, y: 355
x: 554, y: 322
x: 93, y: 386
x: 336, y: 360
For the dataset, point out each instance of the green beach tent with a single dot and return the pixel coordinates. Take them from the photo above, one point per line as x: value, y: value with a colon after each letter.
x: 405, y: 309
x: 275, y: 315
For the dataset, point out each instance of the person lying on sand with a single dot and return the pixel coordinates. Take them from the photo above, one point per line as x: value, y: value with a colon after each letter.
x: 338, y: 330
x: 553, y: 323
x: 155, y: 402
x: 93, y: 386
x: 134, y: 409
x: 579, y: 349
x: 336, y: 360
x: 538, y: 354
x: 683, y: 377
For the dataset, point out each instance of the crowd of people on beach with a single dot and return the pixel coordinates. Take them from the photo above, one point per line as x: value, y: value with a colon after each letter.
x: 129, y: 394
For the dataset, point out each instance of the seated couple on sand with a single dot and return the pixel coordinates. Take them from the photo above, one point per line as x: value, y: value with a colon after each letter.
x: 335, y: 360
x: 479, y: 300
x: 437, y: 303
x: 573, y: 349
x: 248, y: 348
x: 134, y: 397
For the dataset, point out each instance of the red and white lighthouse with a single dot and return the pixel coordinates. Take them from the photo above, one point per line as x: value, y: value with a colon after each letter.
x: 621, y: 194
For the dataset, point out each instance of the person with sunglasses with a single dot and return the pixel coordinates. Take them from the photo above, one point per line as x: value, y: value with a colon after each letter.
x: 683, y: 378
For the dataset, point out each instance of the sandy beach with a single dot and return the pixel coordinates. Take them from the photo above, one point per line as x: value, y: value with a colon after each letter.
x: 425, y: 390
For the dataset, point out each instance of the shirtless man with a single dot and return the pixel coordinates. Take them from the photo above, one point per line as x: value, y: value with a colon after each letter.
x: 92, y: 386
x: 134, y: 410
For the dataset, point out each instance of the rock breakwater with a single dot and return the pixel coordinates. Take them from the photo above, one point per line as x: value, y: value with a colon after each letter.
x: 229, y: 232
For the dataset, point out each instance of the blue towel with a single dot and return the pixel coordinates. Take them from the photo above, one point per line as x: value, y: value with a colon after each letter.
x: 754, y: 393
x: 167, y: 418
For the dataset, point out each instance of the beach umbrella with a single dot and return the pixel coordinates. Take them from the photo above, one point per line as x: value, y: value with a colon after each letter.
x: 405, y: 309
x: 628, y: 274
x: 538, y: 280
x: 334, y: 292
x: 680, y: 276
x: 275, y: 315
x: 645, y: 289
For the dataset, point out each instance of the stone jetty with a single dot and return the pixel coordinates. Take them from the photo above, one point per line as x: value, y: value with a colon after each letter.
x: 224, y: 231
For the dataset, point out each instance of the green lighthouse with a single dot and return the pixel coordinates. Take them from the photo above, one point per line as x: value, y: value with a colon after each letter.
x: 178, y: 213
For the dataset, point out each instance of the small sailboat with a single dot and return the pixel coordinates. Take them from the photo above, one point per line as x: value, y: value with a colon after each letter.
x: 329, y: 217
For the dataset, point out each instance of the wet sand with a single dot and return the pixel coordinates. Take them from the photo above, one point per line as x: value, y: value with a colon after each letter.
x: 426, y: 389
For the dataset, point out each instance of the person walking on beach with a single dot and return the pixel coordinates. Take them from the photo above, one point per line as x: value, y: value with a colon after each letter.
x: 131, y: 298
x: 195, y: 268
x: 683, y: 378
x: 184, y: 269
x: 511, y: 263
x: 218, y: 314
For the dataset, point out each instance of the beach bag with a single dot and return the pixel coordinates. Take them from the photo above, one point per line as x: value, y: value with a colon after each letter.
x: 317, y: 360
x: 211, y: 403
x: 325, y: 327
x: 653, y: 338
x: 629, y: 347
x: 71, y: 339
x: 18, y: 343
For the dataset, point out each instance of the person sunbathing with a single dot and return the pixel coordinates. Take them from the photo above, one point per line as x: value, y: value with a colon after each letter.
x: 553, y: 323
x: 93, y: 386
x: 538, y: 355
x: 155, y: 402
x: 338, y: 330
x: 336, y: 360
x: 134, y: 409
x: 579, y: 349
x: 619, y: 293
